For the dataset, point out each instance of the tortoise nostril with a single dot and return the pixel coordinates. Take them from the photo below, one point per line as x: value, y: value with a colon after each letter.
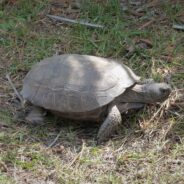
x: 165, y: 90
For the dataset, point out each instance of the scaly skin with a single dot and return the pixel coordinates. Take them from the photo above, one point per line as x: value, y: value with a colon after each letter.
x: 146, y: 93
x: 111, y: 123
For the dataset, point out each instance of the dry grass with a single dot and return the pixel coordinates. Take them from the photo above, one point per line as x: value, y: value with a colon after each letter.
x: 149, y: 146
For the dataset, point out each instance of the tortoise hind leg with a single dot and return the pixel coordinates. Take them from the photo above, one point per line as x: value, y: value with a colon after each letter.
x: 36, y: 115
x: 110, y: 124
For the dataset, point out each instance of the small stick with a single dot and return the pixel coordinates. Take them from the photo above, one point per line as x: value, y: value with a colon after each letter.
x: 179, y: 27
x: 149, y: 5
x: 146, y: 24
x: 3, y: 166
x: 3, y: 96
x: 15, y: 90
x: 78, y: 156
x: 58, y: 18
x: 54, y: 141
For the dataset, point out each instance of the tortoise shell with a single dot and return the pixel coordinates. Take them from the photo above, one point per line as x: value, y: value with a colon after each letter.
x: 76, y: 83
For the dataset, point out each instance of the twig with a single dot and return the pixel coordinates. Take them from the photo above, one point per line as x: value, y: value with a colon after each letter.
x: 54, y: 141
x: 138, y: 14
x: 122, y: 147
x: 15, y: 90
x: 146, y: 24
x: 3, y: 96
x: 179, y: 27
x: 3, y: 166
x: 58, y: 18
x: 174, y: 112
x: 158, y: 111
x: 149, y: 5
x: 78, y: 157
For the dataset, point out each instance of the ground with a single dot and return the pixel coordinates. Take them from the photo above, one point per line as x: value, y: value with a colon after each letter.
x: 148, y: 147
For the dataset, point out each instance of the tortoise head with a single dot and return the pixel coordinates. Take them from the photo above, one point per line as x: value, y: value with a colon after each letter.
x: 155, y: 92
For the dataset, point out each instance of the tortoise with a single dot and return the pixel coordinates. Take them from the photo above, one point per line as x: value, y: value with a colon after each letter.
x: 88, y: 88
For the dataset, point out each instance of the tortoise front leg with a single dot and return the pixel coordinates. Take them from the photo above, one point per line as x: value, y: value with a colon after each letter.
x: 110, y: 124
x: 113, y: 119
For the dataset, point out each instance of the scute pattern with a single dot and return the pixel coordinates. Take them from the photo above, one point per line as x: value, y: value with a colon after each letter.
x: 76, y: 83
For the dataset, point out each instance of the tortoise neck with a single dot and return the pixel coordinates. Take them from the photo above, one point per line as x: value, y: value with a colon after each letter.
x: 134, y: 94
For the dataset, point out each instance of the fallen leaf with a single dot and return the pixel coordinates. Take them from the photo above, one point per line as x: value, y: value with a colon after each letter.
x: 144, y: 43
x: 146, y: 24
x: 59, y: 149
